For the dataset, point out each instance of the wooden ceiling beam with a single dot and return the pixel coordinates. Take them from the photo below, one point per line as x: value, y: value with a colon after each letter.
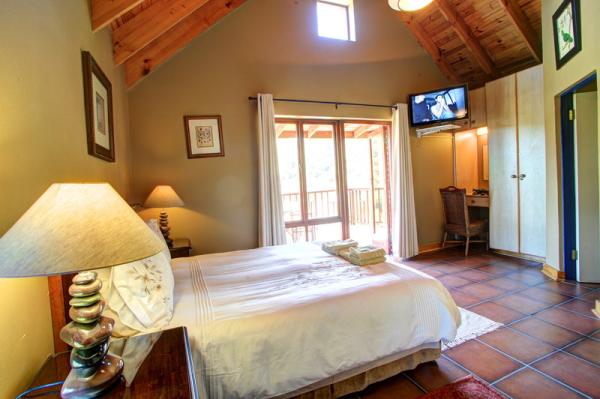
x: 464, y: 33
x: 287, y: 134
x: 105, y: 11
x: 280, y: 128
x: 364, y: 129
x: 150, y: 24
x: 419, y: 33
x: 164, y: 47
x: 524, y: 29
x: 312, y: 130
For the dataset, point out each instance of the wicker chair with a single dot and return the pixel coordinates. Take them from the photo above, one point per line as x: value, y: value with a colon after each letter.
x: 456, y: 218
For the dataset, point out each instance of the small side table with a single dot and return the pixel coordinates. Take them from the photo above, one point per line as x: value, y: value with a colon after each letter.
x: 181, y: 248
x: 167, y: 372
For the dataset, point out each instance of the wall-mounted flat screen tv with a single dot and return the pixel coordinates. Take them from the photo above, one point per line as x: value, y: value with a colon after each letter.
x: 436, y: 106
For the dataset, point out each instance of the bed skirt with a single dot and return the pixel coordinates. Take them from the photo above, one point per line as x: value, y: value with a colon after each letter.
x: 358, y: 379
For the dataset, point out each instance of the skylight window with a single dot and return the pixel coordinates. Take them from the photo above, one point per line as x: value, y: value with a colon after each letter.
x: 335, y: 19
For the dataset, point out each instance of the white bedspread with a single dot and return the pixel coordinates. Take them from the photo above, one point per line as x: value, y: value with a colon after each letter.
x: 272, y: 320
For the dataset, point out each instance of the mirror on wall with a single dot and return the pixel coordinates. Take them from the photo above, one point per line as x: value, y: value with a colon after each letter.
x: 485, y: 175
x: 471, y: 159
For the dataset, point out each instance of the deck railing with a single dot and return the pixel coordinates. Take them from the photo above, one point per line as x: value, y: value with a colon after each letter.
x: 364, y: 207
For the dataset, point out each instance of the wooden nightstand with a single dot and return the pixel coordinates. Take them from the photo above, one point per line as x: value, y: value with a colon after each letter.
x: 181, y: 248
x: 167, y: 372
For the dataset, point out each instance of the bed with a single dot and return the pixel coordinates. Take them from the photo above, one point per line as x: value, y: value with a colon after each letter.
x: 292, y: 320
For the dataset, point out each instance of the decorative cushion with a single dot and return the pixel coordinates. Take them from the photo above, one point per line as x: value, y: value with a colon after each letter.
x: 119, y: 329
x: 142, y: 293
x: 139, y: 295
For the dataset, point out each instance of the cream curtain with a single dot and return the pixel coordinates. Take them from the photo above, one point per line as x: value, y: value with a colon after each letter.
x: 404, y: 221
x: 271, y: 227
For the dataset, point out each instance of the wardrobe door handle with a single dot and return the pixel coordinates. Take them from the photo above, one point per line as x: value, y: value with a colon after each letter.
x: 522, y: 176
x: 513, y: 176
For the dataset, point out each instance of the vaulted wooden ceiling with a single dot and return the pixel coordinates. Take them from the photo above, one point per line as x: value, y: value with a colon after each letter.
x: 146, y: 33
x: 476, y: 41
x: 471, y: 41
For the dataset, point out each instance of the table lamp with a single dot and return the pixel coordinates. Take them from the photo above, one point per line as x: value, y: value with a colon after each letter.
x: 164, y: 197
x: 75, y: 228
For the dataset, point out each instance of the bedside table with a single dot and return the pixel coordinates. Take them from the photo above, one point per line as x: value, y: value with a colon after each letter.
x: 181, y: 248
x: 167, y: 371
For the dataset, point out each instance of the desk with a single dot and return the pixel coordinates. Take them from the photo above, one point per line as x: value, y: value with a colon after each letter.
x: 479, y: 207
x: 478, y: 201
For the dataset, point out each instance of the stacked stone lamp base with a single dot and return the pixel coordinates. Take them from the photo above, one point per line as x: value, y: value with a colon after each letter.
x: 164, y: 228
x: 93, y: 370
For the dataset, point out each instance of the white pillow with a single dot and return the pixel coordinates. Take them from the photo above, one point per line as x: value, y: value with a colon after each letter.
x: 139, y: 295
x: 153, y: 224
x: 119, y: 329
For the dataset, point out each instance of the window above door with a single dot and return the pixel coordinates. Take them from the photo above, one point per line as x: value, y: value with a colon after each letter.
x: 335, y: 19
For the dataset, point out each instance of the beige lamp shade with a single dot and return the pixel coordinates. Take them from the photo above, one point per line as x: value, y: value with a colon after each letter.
x: 75, y: 227
x: 163, y: 197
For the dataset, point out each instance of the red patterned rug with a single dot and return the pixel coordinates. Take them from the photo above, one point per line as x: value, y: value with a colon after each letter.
x: 468, y: 387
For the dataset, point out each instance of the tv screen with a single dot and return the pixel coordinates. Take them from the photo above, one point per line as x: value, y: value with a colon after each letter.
x: 435, y: 106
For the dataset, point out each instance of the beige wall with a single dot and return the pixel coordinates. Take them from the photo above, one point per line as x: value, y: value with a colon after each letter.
x: 432, y: 170
x: 271, y: 46
x: 555, y: 82
x: 42, y: 140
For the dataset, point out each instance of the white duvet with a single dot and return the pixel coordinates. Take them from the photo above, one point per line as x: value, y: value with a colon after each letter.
x: 269, y: 321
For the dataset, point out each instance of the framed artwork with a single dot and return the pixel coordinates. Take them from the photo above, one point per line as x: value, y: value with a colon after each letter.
x: 566, y: 22
x: 97, y: 93
x: 204, y: 136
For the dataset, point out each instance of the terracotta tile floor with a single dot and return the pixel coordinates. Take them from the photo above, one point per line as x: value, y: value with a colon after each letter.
x: 549, y: 346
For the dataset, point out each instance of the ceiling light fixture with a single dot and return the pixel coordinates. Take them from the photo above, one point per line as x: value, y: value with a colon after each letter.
x: 408, y: 5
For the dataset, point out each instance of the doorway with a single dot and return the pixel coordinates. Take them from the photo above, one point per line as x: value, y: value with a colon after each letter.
x: 580, y: 178
x: 334, y: 180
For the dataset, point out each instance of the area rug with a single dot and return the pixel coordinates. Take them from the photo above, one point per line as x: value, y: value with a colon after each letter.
x: 468, y: 387
x: 472, y: 326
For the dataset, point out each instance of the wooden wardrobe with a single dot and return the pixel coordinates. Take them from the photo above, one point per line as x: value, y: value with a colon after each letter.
x: 517, y: 166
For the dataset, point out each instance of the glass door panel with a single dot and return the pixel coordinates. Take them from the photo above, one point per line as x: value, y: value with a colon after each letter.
x: 313, y: 173
x: 325, y: 232
x: 366, y: 183
x: 289, y: 171
x: 295, y: 234
x: 321, y: 171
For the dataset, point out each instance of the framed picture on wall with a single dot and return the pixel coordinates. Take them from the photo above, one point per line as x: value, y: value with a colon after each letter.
x: 566, y: 22
x: 204, y: 136
x: 97, y: 94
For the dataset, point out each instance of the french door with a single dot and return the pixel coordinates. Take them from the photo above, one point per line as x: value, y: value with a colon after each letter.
x: 334, y: 179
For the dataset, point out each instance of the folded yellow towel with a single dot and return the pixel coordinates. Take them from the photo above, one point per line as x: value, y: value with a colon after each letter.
x: 366, y: 262
x: 345, y: 253
x: 367, y: 252
x: 334, y: 247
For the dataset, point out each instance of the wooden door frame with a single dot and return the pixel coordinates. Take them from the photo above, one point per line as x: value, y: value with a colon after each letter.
x: 305, y: 220
x: 568, y: 177
x: 340, y: 163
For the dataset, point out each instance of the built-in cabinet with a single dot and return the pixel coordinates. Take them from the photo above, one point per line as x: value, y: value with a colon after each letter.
x: 477, y: 108
x: 515, y: 121
x: 477, y: 111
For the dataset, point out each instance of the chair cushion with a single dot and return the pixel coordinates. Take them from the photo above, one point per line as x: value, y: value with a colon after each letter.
x: 477, y: 226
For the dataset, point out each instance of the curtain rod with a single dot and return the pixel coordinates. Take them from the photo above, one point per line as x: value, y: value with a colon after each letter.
x: 336, y: 103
